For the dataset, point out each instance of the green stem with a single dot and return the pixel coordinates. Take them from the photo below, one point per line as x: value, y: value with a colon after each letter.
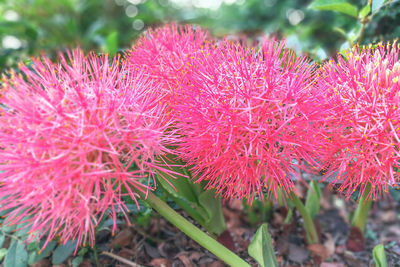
x: 192, y: 212
x: 96, y: 256
x: 361, y: 214
x: 193, y: 232
x: 309, y: 226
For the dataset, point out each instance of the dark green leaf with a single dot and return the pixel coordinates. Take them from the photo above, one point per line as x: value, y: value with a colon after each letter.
x: 39, y: 255
x: 179, y: 186
x: 379, y: 256
x: 77, y: 261
x: 341, y: 6
x: 16, y: 255
x: 2, y: 237
x: 212, y: 205
x: 261, y: 248
x: 313, y: 199
x: 62, y: 252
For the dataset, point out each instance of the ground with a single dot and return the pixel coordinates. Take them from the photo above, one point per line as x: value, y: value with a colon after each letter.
x: 161, y: 244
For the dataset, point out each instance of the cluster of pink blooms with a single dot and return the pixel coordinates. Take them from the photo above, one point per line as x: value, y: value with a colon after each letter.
x: 78, y: 136
x: 164, y: 55
x: 362, y: 91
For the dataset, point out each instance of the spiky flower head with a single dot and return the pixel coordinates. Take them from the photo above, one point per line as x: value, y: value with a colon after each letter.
x: 164, y: 54
x: 362, y: 91
x: 76, y: 138
x: 246, y: 118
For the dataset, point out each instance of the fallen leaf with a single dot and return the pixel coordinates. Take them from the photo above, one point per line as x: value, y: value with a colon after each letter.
x: 319, y: 250
x: 151, y: 251
x: 389, y: 216
x: 160, y: 262
x: 183, y: 257
x: 332, y: 264
x: 86, y: 263
x: 123, y: 238
x: 329, y: 245
x: 297, y: 254
x: 226, y: 239
x: 355, y: 241
x: 217, y: 264
x: 126, y: 253
x: 195, y: 255
x: 42, y: 263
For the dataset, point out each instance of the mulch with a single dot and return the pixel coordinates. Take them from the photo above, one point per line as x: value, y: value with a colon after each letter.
x: 163, y: 245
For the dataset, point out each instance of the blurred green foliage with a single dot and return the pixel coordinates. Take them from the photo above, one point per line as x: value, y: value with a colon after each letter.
x: 30, y: 27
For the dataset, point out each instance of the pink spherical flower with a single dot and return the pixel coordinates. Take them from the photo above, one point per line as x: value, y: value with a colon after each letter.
x: 76, y: 138
x: 164, y: 54
x: 246, y: 120
x: 363, y: 94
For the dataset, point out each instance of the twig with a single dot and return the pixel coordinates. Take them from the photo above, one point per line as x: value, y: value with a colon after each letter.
x: 123, y: 260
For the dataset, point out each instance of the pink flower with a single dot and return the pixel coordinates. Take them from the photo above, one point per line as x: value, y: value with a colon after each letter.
x: 363, y: 95
x: 164, y: 54
x: 245, y: 121
x: 76, y: 138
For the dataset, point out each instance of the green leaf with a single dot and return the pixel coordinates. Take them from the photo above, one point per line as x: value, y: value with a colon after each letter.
x: 77, y: 261
x: 376, y: 5
x: 364, y: 11
x: 341, y: 6
x: 2, y: 237
x: 39, y: 255
x: 261, y: 248
x: 62, y: 252
x: 179, y: 186
x: 112, y: 43
x: 212, y: 205
x: 313, y: 199
x: 16, y: 255
x: 379, y: 256
x: 3, y: 252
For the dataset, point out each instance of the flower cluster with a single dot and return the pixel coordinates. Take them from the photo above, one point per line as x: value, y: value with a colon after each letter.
x: 79, y: 136
x: 246, y: 125
x: 164, y: 54
x: 76, y: 138
x: 363, y: 94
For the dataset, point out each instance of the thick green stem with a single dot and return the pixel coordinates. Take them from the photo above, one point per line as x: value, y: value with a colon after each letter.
x: 193, y: 232
x: 361, y: 214
x: 309, y: 226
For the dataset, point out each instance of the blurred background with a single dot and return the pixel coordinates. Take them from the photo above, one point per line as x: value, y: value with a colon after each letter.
x: 31, y: 27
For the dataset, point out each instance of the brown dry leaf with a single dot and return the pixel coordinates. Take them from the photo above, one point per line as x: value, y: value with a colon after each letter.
x: 217, y: 264
x: 319, y: 250
x: 226, y: 239
x: 329, y: 245
x: 167, y: 249
x: 355, y: 241
x: 126, y: 253
x: 297, y: 254
x: 282, y: 246
x: 86, y: 263
x: 195, y: 256
x: 332, y: 264
x: 42, y: 263
x: 183, y: 257
x: 389, y: 216
x: 151, y: 251
x: 160, y: 262
x: 123, y: 238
